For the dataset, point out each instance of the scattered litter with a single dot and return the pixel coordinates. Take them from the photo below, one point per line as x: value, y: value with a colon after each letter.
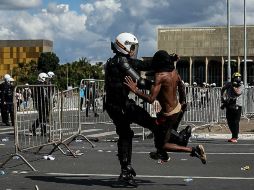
x: 78, y: 140
x: 111, y: 140
x: 5, y: 139
x: 162, y: 162
x: 23, y: 172
x: 184, y: 159
x: 15, y: 157
x: 2, y: 172
x: 187, y: 180
x: 78, y: 153
x: 245, y: 168
x: 49, y: 157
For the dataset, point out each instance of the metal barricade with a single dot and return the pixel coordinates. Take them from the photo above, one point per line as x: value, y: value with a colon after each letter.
x: 203, y: 108
x: 248, y: 106
x: 36, y: 118
x: 92, y: 105
x: 70, y: 116
x: 91, y: 111
x: 44, y: 116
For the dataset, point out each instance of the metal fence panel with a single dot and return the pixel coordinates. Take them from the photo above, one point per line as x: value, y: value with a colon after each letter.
x: 36, y: 115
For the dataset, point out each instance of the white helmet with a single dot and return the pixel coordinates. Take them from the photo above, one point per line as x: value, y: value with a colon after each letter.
x: 51, y: 74
x: 42, y: 77
x: 7, y: 77
x: 127, y: 44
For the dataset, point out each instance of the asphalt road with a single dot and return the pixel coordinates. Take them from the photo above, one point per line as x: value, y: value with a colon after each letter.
x: 98, y: 168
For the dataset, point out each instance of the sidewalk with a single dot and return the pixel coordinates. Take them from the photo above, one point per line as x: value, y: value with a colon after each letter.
x: 222, y: 131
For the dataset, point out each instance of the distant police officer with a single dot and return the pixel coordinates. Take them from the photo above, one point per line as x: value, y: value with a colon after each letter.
x: 232, y: 100
x: 51, y: 76
x: 7, y: 100
x: 41, y: 103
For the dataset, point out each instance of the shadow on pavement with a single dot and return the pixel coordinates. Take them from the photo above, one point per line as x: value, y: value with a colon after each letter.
x: 87, y: 181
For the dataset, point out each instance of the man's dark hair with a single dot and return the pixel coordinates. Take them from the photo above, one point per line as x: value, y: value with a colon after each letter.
x: 162, y: 61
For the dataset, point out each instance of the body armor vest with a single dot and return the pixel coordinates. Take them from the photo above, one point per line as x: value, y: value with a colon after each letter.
x: 116, y: 91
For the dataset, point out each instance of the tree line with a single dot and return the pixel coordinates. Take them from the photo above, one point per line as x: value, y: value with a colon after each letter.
x: 68, y: 74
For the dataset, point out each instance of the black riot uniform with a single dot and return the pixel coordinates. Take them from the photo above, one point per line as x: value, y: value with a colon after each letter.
x: 41, y: 103
x: 121, y: 109
x: 7, y: 107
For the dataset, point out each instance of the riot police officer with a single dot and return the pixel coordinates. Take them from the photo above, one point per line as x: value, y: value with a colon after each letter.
x: 232, y: 100
x: 41, y: 103
x: 7, y: 107
x: 121, y: 109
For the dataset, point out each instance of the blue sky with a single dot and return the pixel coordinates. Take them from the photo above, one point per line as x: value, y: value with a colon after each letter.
x: 85, y: 28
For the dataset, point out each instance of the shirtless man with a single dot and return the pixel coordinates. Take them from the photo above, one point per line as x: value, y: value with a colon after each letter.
x: 167, y: 83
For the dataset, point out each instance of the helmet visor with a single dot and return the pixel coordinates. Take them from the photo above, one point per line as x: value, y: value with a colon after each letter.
x: 134, y: 51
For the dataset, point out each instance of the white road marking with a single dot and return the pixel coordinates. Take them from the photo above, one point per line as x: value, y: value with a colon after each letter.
x: 211, y: 153
x: 6, y: 128
x: 152, y: 176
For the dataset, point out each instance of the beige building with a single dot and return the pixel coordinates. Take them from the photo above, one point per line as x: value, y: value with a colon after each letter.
x: 13, y: 52
x: 204, y: 52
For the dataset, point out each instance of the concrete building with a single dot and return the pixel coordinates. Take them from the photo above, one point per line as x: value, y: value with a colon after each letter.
x: 204, y: 52
x: 13, y: 52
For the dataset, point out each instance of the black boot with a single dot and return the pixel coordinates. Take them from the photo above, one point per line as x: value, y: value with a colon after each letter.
x: 126, y: 176
x: 160, y: 155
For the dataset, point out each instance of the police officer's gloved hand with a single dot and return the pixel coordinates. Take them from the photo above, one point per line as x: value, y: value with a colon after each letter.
x: 174, y: 57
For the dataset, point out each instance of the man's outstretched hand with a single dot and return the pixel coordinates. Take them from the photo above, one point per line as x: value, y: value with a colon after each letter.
x: 131, y: 84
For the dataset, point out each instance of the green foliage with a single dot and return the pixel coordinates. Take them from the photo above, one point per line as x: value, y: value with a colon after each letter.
x: 76, y: 71
x: 48, y: 62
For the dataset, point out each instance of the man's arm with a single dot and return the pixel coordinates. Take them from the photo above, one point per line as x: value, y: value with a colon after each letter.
x: 126, y: 68
x: 223, y: 89
x: 141, y: 65
x: 148, y: 98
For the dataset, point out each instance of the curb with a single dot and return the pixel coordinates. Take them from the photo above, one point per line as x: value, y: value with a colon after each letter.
x: 221, y: 136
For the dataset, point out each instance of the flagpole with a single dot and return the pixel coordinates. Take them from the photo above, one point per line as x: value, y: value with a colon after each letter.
x: 229, y: 45
x: 245, y: 47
